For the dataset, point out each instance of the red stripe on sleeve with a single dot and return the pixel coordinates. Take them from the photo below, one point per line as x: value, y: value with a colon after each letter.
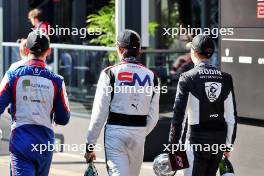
x: 64, y: 101
x: 14, y: 97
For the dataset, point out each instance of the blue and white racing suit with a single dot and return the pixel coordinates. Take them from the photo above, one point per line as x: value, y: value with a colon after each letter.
x: 38, y: 98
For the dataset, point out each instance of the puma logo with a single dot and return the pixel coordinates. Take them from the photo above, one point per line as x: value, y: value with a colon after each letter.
x: 135, y: 106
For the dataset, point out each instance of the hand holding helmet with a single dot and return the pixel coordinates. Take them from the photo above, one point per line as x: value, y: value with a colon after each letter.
x: 162, y: 165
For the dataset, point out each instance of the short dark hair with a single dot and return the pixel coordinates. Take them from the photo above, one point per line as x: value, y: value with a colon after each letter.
x: 37, y: 43
x: 35, y: 13
x: 201, y: 56
x: 37, y: 54
x: 128, y: 39
x: 203, y: 45
x: 131, y: 52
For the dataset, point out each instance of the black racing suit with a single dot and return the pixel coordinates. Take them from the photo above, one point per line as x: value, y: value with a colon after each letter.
x: 207, y: 96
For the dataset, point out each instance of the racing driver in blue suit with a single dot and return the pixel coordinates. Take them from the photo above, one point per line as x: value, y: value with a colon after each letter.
x: 38, y: 100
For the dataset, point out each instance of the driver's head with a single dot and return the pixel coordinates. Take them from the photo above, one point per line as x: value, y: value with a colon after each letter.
x: 23, y: 51
x: 202, y: 48
x: 38, y: 44
x: 35, y: 16
x: 128, y: 44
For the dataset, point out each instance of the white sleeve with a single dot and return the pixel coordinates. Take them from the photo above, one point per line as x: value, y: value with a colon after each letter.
x: 153, y: 115
x: 5, y: 93
x: 230, y: 118
x: 100, y: 109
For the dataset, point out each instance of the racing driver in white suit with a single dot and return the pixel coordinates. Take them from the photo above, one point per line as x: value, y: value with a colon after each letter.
x: 130, y: 111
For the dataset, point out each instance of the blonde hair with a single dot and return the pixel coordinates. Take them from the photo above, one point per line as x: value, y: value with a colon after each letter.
x: 35, y: 13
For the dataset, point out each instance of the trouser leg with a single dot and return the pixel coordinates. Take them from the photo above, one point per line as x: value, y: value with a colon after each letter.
x: 136, y: 153
x: 190, y: 156
x: 116, y: 155
x: 213, y: 163
x: 124, y: 150
x: 21, y: 167
x: 200, y: 163
x: 43, y: 165
x: 117, y: 165
x: 206, y: 163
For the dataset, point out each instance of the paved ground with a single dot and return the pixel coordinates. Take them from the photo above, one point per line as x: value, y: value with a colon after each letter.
x: 70, y: 163
x: 247, y: 158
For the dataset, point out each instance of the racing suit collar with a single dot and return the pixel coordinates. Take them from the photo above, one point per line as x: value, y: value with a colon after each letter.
x: 36, y: 62
x: 130, y: 60
x: 204, y: 64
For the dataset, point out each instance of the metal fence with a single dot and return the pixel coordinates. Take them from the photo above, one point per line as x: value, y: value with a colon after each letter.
x: 81, y: 65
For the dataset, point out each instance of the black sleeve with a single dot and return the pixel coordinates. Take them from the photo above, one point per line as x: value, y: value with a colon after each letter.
x: 179, y: 110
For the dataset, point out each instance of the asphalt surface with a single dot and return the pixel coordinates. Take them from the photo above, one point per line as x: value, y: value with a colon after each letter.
x: 247, y: 158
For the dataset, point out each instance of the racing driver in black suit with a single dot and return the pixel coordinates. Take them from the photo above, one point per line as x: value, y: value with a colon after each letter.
x: 206, y: 94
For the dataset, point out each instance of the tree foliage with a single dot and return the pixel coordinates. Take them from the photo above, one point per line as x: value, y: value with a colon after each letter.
x: 105, y: 20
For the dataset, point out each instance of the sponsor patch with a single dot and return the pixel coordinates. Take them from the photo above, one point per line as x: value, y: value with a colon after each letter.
x: 213, y: 90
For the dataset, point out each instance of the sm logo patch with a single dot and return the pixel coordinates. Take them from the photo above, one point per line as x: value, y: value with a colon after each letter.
x: 130, y: 79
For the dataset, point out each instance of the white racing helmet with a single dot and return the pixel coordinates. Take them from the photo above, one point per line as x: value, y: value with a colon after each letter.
x: 162, y: 165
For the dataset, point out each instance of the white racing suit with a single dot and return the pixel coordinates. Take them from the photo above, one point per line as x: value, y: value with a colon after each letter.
x: 129, y: 114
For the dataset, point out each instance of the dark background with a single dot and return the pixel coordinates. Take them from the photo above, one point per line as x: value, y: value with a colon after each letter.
x: 248, y: 78
x: 240, y: 13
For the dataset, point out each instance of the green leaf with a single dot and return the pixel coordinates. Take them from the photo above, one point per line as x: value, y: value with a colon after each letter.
x: 152, y: 27
x: 104, y: 19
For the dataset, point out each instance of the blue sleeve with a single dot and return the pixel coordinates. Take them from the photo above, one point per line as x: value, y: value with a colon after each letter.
x: 61, y: 107
x: 5, y: 93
